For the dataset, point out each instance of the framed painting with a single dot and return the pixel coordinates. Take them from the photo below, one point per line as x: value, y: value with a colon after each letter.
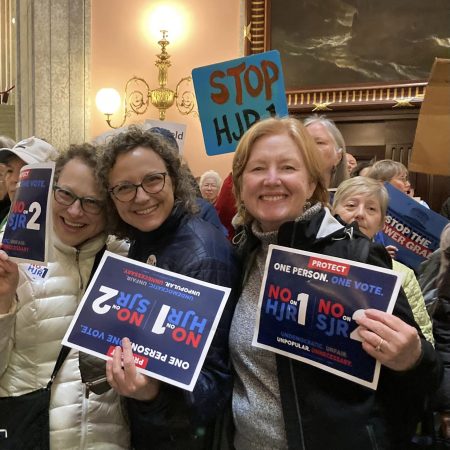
x: 351, y: 54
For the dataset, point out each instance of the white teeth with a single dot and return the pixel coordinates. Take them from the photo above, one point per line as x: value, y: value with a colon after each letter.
x: 72, y: 224
x: 272, y: 198
x: 145, y: 211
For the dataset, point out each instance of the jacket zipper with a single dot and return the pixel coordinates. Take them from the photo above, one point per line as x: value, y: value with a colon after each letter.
x: 297, y: 406
x: 90, y: 384
x: 84, y: 414
x: 77, y: 261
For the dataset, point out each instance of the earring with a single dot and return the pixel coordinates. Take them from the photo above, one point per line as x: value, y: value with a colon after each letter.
x: 307, y: 205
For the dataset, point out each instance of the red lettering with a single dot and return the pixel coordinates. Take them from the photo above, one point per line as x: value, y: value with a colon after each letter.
x: 284, y: 294
x: 125, y: 315
x: 193, y: 339
x: 253, y: 91
x: 236, y: 73
x: 224, y: 95
x: 269, y: 80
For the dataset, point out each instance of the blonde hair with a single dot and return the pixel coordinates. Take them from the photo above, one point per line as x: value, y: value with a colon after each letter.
x: 365, y: 186
x: 386, y: 169
x: 272, y: 127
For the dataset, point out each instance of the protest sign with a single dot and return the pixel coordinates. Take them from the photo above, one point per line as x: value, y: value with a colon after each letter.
x: 430, y: 152
x: 411, y: 227
x: 178, y: 130
x: 169, y: 318
x: 233, y: 95
x: 29, y: 224
x: 307, y: 308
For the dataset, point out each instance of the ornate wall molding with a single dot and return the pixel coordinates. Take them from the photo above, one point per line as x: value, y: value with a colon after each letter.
x: 53, y: 70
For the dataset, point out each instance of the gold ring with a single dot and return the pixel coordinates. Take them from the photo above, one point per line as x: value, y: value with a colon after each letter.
x: 378, y: 347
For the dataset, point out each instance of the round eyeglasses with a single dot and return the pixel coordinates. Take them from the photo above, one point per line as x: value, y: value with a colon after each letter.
x: 152, y: 183
x: 88, y: 204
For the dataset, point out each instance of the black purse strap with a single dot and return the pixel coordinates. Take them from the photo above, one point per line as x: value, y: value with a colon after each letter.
x: 65, y: 350
x: 59, y: 362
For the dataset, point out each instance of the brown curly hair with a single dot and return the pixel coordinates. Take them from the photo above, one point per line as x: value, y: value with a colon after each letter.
x: 128, y: 140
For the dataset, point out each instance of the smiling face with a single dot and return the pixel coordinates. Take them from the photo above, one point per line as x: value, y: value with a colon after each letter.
x: 146, y: 212
x: 364, y: 209
x: 275, y: 181
x: 71, y: 223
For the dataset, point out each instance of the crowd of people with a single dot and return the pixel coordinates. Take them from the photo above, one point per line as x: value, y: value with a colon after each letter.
x: 291, y: 183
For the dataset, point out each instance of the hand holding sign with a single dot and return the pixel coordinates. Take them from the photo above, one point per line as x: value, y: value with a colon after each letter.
x: 389, y: 340
x: 25, y: 236
x: 123, y: 377
x: 9, y: 279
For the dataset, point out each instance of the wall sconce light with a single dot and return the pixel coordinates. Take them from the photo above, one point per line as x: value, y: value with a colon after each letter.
x: 138, y: 95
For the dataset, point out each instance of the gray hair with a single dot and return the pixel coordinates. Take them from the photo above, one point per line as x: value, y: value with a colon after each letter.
x: 341, y: 173
x: 211, y: 174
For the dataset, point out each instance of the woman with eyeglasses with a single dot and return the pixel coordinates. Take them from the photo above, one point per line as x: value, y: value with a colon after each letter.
x: 152, y: 202
x: 37, y: 304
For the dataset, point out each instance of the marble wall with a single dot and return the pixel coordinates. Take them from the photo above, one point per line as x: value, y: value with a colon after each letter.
x: 53, y: 70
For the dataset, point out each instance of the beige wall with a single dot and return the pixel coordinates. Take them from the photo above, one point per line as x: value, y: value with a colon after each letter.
x: 120, y: 50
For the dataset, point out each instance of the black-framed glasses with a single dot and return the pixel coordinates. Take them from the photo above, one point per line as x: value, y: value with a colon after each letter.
x: 88, y: 204
x: 152, y: 183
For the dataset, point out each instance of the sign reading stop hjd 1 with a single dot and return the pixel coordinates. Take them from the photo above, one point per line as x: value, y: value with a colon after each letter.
x: 233, y: 95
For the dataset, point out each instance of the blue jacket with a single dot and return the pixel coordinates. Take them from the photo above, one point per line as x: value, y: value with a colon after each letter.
x: 177, y: 418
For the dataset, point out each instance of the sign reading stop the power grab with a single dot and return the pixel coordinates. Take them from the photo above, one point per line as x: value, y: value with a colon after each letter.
x: 233, y: 95
x: 28, y: 224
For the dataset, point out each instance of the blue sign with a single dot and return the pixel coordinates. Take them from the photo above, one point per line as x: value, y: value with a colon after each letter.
x: 233, y: 95
x: 169, y: 318
x: 414, y: 229
x: 27, y: 226
x: 308, y: 305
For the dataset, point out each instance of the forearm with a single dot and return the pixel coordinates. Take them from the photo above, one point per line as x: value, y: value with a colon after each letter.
x: 7, y: 322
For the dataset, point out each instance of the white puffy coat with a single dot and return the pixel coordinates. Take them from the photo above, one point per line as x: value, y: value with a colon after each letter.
x: 30, y: 340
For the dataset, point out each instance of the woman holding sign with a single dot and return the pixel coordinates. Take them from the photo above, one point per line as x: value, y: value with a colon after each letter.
x: 279, y: 402
x: 152, y: 202
x: 37, y: 304
x: 364, y: 200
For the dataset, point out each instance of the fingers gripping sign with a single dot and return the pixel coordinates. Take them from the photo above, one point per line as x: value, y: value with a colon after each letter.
x: 9, y: 279
x: 389, y: 340
x: 123, y: 377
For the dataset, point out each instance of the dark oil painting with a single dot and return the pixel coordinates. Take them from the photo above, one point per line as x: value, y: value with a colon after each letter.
x: 352, y: 42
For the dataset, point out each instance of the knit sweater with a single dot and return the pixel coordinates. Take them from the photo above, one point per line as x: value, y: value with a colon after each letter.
x: 256, y: 394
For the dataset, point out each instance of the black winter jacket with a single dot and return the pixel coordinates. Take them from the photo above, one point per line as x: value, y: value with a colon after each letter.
x: 323, y: 411
x: 441, y: 331
x: 187, y: 245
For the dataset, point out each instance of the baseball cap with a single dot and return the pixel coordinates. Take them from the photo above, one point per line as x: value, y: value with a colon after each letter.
x: 31, y: 150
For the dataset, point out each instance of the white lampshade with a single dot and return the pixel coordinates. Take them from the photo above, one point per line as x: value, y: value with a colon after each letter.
x: 107, y: 100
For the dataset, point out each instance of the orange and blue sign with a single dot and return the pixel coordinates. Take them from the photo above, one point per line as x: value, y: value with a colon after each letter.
x: 235, y: 94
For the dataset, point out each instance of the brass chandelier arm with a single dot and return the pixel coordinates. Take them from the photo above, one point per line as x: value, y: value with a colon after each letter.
x: 138, y: 95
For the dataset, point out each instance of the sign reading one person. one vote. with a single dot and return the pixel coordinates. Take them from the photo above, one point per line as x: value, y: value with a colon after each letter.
x: 28, y: 225
x: 411, y: 227
x: 169, y: 318
x: 309, y: 305
x: 233, y: 95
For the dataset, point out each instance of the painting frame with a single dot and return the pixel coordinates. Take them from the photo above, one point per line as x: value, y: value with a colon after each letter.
x: 398, y: 95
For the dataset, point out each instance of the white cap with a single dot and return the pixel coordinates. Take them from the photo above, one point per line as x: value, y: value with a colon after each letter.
x: 31, y: 150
